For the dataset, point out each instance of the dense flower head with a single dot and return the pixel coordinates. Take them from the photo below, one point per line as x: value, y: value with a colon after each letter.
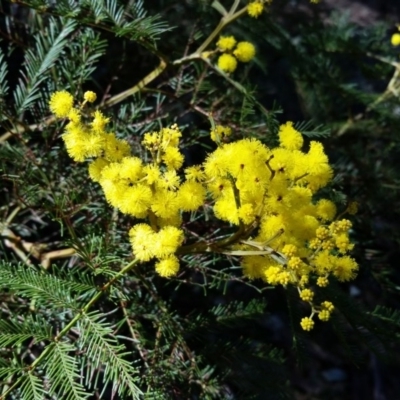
x: 245, y: 51
x: 395, y: 39
x: 294, y: 237
x: 227, y: 63
x: 90, y: 96
x: 226, y: 43
x: 61, y: 103
x: 289, y: 137
x: 307, y: 323
x: 255, y: 9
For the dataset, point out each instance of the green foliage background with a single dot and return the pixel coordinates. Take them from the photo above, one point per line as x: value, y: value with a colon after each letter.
x: 79, y: 328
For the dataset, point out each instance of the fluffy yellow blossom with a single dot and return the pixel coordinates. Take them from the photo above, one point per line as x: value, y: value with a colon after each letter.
x: 96, y: 167
x: 170, y: 136
x: 143, y: 240
x: 247, y: 214
x: 115, y: 149
x: 255, y: 8
x: 307, y: 323
x: 245, y: 51
x: 61, y: 103
x: 289, y: 137
x: 395, y: 39
x: 344, y: 268
x: 168, y: 239
x: 74, y: 116
x: 164, y: 204
x: 135, y: 200
x: 172, y: 158
x: 167, y: 267
x: 227, y: 63
x: 326, y: 210
x: 191, y: 195
x: 194, y: 173
x: 90, y: 96
x: 226, y: 43
x: 169, y: 180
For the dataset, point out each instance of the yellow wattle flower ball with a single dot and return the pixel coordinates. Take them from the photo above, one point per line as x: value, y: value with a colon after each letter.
x: 324, y: 315
x: 226, y: 43
x: 289, y: 137
x: 167, y: 267
x: 255, y: 9
x: 307, y: 323
x: 395, y: 39
x: 90, y: 96
x: 61, y: 103
x: 245, y: 51
x: 227, y: 63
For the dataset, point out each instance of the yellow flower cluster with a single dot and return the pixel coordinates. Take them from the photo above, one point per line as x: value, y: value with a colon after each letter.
x: 244, y: 52
x: 255, y: 9
x: 286, y: 236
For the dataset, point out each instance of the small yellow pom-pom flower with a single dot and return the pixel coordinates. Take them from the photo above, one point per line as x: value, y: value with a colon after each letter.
x: 322, y: 233
x: 307, y: 323
x: 326, y: 210
x: 283, y: 278
x: 289, y: 138
x: 395, y: 39
x: 143, y: 240
x: 245, y: 51
x: 227, y: 63
x: 327, y: 305
x: 294, y: 263
x: 324, y: 315
x: 322, y: 281
x: 61, y: 103
x: 306, y: 295
x: 289, y: 250
x: 90, y: 96
x: 315, y: 243
x: 255, y: 8
x: 341, y: 226
x: 167, y: 267
x: 226, y: 43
